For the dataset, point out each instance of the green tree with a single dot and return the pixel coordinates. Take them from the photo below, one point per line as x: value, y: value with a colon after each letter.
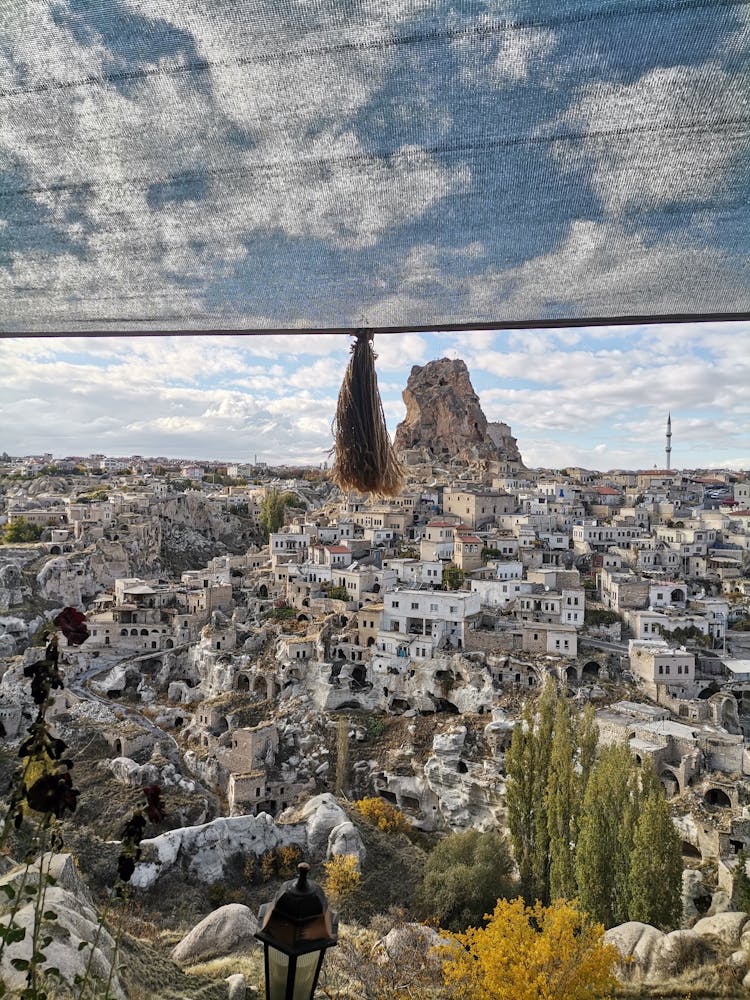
x: 543, y: 745
x: 520, y: 761
x: 527, y: 768
x: 656, y: 860
x: 562, y: 806
x: 22, y: 530
x: 464, y: 877
x: 272, y: 510
x: 453, y: 578
x: 742, y: 883
x: 588, y: 740
x: 605, y: 837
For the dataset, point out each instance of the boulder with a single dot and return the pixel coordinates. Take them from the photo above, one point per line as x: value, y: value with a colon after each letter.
x: 345, y: 839
x: 76, y: 924
x: 677, y: 951
x: 696, y: 898
x: 637, y: 944
x: 236, y: 989
x: 721, y: 902
x: 321, y: 814
x: 228, y: 929
x: 207, y: 851
x: 723, y: 928
x: 402, y: 944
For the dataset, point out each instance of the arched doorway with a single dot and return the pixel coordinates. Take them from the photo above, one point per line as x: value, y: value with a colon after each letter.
x: 591, y: 669
x: 243, y: 683
x: 690, y: 851
x: 717, y: 797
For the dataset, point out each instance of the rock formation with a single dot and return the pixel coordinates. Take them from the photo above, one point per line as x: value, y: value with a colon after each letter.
x: 445, y: 424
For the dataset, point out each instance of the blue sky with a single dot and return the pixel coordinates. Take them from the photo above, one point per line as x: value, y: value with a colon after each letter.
x: 592, y: 397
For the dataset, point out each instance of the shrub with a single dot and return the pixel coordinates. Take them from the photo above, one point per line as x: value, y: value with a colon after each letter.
x: 342, y: 878
x: 287, y: 859
x: 250, y: 868
x: 532, y: 953
x: 268, y: 866
x: 464, y: 877
x: 383, y: 815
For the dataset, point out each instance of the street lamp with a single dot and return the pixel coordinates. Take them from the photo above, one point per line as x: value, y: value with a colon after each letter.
x: 296, y: 927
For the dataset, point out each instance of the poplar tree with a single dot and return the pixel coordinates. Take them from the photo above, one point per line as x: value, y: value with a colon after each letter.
x: 656, y: 861
x: 587, y: 737
x: 603, y: 851
x: 520, y: 761
x: 563, y: 803
x: 542, y: 748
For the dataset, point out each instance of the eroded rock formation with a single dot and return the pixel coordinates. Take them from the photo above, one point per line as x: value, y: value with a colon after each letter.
x: 444, y: 422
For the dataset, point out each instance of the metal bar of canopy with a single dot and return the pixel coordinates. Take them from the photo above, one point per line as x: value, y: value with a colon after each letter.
x: 649, y: 319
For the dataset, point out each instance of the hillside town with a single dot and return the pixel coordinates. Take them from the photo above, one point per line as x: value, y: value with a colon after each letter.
x: 238, y: 613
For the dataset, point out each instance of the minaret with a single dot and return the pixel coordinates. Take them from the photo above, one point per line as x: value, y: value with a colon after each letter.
x: 669, y: 442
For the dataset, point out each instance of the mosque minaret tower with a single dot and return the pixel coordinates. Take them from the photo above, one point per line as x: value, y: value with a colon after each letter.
x: 669, y: 441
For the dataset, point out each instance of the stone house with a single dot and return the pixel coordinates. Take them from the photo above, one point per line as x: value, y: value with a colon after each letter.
x: 499, y: 593
x: 467, y: 551
x: 438, y: 616
x: 438, y: 540
x: 660, y: 668
x: 476, y: 508
x: 288, y: 546
x: 652, y: 624
x: 550, y: 638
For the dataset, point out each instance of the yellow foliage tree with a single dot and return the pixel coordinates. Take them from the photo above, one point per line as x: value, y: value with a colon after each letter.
x: 532, y: 953
x: 342, y: 878
x: 383, y: 815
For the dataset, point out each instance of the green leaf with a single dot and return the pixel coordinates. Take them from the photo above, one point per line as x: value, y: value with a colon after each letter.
x: 54, y: 972
x: 49, y: 915
x: 21, y: 964
x: 15, y: 934
x: 9, y: 891
x: 82, y: 945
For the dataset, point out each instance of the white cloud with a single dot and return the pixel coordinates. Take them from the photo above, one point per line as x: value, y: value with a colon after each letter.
x: 647, y: 156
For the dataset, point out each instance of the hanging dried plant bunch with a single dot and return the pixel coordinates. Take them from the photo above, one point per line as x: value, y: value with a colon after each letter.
x: 364, y: 456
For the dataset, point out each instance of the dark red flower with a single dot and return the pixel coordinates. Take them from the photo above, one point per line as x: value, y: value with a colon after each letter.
x: 53, y: 793
x: 155, y: 809
x: 72, y: 624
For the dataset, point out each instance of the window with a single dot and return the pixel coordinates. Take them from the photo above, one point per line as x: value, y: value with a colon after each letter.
x: 433, y: 607
x: 415, y: 605
x: 394, y: 604
x: 661, y: 668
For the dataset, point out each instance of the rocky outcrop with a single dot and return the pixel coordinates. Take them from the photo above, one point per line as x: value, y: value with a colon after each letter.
x: 207, y: 851
x: 193, y: 531
x: 649, y: 956
x: 70, y: 935
x: 226, y: 930
x: 444, y: 422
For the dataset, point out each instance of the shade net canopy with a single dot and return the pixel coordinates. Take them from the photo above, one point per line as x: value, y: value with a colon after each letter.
x: 322, y: 164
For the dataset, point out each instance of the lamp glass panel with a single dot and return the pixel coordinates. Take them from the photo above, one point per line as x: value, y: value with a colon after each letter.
x: 278, y: 970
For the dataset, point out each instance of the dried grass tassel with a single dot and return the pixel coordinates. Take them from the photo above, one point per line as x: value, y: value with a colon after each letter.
x: 364, y: 456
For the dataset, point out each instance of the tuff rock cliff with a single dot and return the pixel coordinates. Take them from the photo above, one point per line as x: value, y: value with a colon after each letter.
x: 444, y: 422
